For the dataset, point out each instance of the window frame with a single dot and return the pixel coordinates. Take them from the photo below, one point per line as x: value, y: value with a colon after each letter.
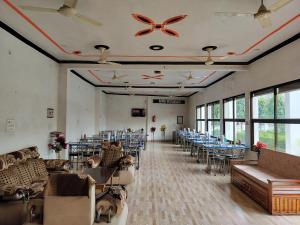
x: 234, y: 119
x: 213, y: 119
x: 274, y: 121
x: 200, y: 119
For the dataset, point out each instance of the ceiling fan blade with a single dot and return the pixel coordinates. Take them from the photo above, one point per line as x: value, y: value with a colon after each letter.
x: 223, y: 57
x: 113, y: 63
x: 37, y: 9
x: 71, y: 3
x: 279, y: 4
x: 265, y: 22
x: 232, y: 14
x: 87, y: 20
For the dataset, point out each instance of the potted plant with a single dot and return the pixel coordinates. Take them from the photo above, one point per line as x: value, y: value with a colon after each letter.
x: 258, y: 147
x: 153, y: 129
x: 163, y: 129
x: 58, y: 143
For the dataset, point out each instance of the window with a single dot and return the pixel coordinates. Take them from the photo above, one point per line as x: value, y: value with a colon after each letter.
x: 200, y: 119
x: 213, y: 119
x: 234, y: 118
x: 276, y: 117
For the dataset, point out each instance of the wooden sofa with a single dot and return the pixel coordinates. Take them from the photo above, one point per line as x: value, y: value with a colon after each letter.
x: 273, y: 181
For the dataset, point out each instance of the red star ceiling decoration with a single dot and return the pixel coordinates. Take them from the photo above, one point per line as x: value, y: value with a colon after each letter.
x: 162, y: 27
x: 157, y: 77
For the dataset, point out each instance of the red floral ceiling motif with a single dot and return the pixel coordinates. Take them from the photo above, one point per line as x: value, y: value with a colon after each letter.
x: 154, y: 26
x: 157, y: 77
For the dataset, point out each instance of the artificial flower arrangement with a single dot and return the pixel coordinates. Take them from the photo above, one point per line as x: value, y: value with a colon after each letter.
x: 58, y: 143
x: 163, y: 128
x: 258, y: 147
x: 153, y: 129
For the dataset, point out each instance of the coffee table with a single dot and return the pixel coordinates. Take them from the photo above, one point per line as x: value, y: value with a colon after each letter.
x: 101, y: 175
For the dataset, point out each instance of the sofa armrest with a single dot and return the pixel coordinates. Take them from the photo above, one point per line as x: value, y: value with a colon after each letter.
x: 54, y: 165
x: 284, y: 186
x: 284, y: 181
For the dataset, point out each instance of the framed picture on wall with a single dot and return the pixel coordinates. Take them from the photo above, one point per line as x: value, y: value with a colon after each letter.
x: 179, y: 119
x: 50, y: 113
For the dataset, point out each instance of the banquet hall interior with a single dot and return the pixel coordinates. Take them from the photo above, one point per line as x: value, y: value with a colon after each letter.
x: 149, y: 112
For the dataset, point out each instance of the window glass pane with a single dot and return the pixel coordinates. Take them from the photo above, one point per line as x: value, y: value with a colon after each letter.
x: 198, y: 126
x: 202, y: 127
x: 263, y: 106
x: 210, y: 127
x: 288, y: 139
x: 240, y: 132
x: 288, y: 106
x: 216, y: 128
x: 202, y: 112
x: 239, y: 106
x: 228, y: 109
x: 229, y: 131
x: 264, y: 132
x: 216, y: 111
x: 197, y: 113
x: 209, y: 111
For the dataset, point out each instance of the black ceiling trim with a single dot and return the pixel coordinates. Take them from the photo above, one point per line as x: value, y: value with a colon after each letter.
x: 153, y: 62
x: 151, y: 87
x: 221, y: 78
x: 81, y: 77
x: 275, y: 48
x: 26, y: 41
x: 105, y: 92
x: 192, y: 94
x: 31, y: 44
x: 125, y: 94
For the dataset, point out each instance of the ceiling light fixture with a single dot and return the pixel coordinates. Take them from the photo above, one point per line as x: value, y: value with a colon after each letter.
x: 156, y: 47
x: 209, y: 49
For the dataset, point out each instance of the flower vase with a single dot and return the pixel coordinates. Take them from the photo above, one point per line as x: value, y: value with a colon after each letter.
x: 58, y: 155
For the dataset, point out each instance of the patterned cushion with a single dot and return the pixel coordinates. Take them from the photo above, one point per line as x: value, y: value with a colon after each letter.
x: 111, y: 156
x: 6, y: 161
x: 39, y: 167
x: 24, y: 174
x: 9, y: 176
x: 57, y: 164
x: 27, y: 153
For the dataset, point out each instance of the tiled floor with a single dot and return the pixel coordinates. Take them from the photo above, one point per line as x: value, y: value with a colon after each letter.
x: 172, y: 189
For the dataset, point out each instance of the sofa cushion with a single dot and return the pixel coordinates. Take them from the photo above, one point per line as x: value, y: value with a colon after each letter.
x: 6, y: 161
x: 9, y: 176
x: 111, y: 156
x: 280, y: 163
x: 257, y: 173
x: 24, y: 173
x: 39, y: 167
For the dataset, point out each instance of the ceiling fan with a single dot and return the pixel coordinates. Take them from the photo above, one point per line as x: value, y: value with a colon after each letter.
x: 68, y: 9
x: 191, y: 77
x: 209, y: 49
x: 262, y: 15
x: 115, y: 77
x: 104, y: 55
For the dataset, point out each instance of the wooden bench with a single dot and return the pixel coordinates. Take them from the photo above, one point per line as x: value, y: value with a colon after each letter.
x: 273, y: 181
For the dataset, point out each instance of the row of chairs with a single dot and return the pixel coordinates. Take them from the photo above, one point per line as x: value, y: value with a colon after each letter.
x: 132, y: 142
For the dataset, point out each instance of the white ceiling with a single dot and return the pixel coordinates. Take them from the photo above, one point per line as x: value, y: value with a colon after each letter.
x: 198, y: 29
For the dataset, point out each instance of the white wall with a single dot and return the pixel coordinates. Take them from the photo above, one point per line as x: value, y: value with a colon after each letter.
x: 28, y: 86
x: 100, y: 110
x: 279, y: 67
x: 166, y: 114
x: 81, y: 111
x: 119, y: 114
